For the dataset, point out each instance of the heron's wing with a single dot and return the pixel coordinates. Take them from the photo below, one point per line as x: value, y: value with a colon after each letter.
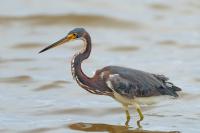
x: 131, y: 82
x: 126, y: 87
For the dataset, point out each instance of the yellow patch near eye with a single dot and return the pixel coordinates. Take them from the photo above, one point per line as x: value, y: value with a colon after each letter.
x: 71, y: 36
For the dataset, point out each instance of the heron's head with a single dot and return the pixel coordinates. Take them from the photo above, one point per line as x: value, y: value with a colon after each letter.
x: 77, y: 33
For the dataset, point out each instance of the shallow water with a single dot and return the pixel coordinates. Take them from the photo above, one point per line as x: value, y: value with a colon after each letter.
x: 37, y: 92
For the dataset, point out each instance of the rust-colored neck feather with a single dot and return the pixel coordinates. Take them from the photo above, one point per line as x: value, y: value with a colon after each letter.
x: 82, y: 79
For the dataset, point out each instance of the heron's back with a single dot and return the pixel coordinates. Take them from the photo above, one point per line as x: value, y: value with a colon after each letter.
x: 140, y: 83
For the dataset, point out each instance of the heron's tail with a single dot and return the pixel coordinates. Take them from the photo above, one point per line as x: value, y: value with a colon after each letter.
x: 172, y: 86
x: 172, y: 89
x: 175, y: 88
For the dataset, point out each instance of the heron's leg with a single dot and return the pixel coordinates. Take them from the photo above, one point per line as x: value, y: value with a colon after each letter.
x: 137, y: 106
x: 127, y: 115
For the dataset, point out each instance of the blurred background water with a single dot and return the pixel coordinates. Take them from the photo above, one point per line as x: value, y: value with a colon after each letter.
x: 37, y: 92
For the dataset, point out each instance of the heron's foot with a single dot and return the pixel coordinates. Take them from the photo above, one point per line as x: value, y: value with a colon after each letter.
x: 127, y: 123
x: 141, y: 117
x: 139, y: 125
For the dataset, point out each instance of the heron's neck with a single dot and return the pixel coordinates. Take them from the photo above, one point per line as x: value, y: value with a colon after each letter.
x: 82, y: 79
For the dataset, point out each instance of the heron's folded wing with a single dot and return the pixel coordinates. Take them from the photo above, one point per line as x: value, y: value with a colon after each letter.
x: 126, y: 87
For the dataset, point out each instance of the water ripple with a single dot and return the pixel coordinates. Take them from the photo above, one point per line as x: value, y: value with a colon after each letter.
x: 75, y: 19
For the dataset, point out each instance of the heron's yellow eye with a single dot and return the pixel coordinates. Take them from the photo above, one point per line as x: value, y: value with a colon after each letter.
x: 75, y: 35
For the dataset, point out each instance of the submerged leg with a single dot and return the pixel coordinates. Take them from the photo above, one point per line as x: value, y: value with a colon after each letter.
x: 137, y: 106
x: 127, y: 115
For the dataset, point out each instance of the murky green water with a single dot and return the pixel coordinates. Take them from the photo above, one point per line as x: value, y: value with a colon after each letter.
x: 37, y: 92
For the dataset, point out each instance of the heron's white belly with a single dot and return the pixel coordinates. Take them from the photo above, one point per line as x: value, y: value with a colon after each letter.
x: 141, y: 100
x: 153, y: 99
x: 122, y: 99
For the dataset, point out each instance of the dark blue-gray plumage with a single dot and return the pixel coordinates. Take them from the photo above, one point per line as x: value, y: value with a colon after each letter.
x: 135, y: 83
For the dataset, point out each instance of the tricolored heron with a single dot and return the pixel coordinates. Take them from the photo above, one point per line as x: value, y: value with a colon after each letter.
x: 122, y: 84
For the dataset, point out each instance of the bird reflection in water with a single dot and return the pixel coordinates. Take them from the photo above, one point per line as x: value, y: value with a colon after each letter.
x: 97, y: 127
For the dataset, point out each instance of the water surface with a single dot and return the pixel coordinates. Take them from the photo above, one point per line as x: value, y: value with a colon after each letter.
x: 38, y: 94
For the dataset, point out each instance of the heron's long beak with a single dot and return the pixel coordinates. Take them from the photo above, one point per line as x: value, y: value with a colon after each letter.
x: 60, y: 42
